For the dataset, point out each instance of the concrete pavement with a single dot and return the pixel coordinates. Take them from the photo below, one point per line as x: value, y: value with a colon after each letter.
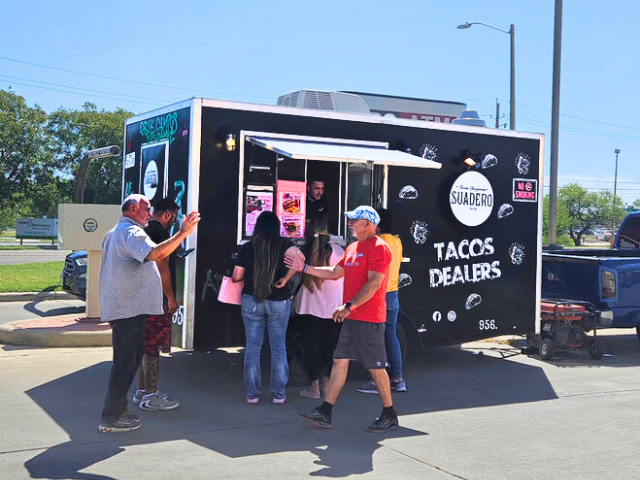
x: 25, y: 310
x: 497, y: 416
x: 47, y: 322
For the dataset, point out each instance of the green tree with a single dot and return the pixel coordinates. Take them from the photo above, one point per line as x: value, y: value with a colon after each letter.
x: 74, y: 132
x: 563, y: 224
x: 25, y: 162
x: 636, y: 205
x: 585, y: 210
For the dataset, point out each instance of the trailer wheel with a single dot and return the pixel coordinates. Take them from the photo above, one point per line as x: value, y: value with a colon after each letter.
x: 547, y: 349
x: 596, y: 349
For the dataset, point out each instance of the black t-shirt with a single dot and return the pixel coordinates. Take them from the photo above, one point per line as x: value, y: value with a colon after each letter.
x: 245, y: 260
x: 159, y: 234
x: 317, y: 209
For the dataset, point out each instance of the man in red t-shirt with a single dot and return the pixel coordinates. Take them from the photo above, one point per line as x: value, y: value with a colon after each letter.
x: 365, y: 268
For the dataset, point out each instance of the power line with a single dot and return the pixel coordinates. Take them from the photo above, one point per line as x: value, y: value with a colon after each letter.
x: 575, y: 117
x: 540, y: 123
x: 580, y: 118
x: 85, y: 89
x: 75, y: 93
x: 600, y: 188
x: 76, y: 72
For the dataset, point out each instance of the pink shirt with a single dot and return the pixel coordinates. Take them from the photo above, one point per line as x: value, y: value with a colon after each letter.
x: 322, y: 303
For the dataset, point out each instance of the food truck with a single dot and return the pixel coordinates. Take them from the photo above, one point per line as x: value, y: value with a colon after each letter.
x: 466, y: 203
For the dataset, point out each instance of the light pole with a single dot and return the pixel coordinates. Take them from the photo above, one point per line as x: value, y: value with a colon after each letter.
x: 512, y: 34
x: 78, y: 193
x: 615, y: 188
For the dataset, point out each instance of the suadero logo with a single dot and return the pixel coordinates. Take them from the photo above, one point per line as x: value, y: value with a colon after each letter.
x: 471, y: 199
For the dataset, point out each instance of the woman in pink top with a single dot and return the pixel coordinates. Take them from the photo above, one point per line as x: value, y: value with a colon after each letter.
x: 315, y: 304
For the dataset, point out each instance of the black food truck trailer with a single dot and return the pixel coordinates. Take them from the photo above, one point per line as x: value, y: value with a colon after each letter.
x: 466, y: 202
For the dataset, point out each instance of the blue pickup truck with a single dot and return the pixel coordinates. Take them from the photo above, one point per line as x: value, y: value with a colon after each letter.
x: 610, y: 279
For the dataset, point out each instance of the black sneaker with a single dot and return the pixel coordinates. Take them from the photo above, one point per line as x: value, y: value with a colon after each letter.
x: 383, y: 424
x: 126, y: 422
x: 317, y: 417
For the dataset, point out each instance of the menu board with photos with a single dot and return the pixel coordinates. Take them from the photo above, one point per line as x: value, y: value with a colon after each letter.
x: 291, y: 207
x: 256, y: 202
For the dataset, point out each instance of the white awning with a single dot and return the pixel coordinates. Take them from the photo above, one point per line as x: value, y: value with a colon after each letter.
x: 334, y: 152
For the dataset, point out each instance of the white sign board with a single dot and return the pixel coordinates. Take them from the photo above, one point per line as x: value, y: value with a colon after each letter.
x: 471, y: 199
x: 83, y: 225
x: 37, y: 228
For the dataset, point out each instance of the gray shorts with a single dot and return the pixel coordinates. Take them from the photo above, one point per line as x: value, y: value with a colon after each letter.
x: 363, y: 341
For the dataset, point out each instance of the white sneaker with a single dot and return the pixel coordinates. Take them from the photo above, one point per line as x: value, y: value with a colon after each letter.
x: 157, y: 401
x: 137, y: 397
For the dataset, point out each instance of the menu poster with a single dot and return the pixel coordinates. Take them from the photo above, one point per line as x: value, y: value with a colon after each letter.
x: 292, y: 208
x: 256, y: 202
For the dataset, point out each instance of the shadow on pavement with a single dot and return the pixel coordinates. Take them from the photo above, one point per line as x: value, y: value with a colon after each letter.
x: 33, y: 307
x: 213, y: 414
x: 622, y: 349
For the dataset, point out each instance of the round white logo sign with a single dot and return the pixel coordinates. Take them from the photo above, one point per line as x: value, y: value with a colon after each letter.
x: 90, y: 225
x: 471, y: 199
x: 151, y: 180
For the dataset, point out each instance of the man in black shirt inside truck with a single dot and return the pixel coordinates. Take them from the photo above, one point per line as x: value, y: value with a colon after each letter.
x: 317, y: 205
x: 157, y: 335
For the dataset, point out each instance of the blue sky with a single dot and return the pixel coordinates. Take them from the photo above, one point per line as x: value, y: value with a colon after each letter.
x: 255, y: 51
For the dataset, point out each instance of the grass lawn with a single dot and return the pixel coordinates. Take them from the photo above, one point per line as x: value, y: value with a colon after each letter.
x: 31, y: 277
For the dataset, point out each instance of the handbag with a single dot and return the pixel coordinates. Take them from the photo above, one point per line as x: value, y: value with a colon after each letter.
x: 230, y: 291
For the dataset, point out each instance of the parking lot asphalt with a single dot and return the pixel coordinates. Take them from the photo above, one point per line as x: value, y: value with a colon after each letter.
x: 499, y: 415
x: 14, y: 257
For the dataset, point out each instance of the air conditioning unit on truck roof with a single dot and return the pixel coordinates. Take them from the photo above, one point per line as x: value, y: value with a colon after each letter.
x: 390, y: 106
x: 323, y: 100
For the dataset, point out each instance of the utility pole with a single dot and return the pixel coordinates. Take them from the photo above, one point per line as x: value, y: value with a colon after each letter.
x: 497, y: 113
x: 512, y: 113
x: 555, y: 120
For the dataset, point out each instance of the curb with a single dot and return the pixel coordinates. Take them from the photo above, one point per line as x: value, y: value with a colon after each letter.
x: 14, y: 334
x: 39, y: 296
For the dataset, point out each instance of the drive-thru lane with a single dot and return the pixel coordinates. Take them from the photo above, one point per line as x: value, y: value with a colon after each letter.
x: 14, y: 257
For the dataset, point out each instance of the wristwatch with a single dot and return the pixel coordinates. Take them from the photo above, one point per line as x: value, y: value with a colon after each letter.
x: 348, y: 305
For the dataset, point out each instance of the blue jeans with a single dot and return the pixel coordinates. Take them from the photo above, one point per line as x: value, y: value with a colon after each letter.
x: 274, y: 315
x: 394, y: 354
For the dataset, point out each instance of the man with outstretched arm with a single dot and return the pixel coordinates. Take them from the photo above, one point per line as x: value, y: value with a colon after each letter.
x: 365, y: 267
x: 130, y: 291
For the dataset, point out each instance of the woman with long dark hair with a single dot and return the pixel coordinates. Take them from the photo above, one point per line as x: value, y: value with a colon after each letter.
x: 315, y: 304
x: 265, y: 304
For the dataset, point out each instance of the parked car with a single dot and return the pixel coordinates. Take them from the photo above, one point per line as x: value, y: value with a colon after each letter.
x: 608, y: 278
x: 74, y: 274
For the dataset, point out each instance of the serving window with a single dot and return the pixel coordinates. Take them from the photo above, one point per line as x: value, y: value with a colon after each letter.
x: 277, y: 169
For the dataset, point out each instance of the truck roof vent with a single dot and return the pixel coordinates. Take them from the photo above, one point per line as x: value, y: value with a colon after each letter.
x: 323, y: 100
x: 290, y: 100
